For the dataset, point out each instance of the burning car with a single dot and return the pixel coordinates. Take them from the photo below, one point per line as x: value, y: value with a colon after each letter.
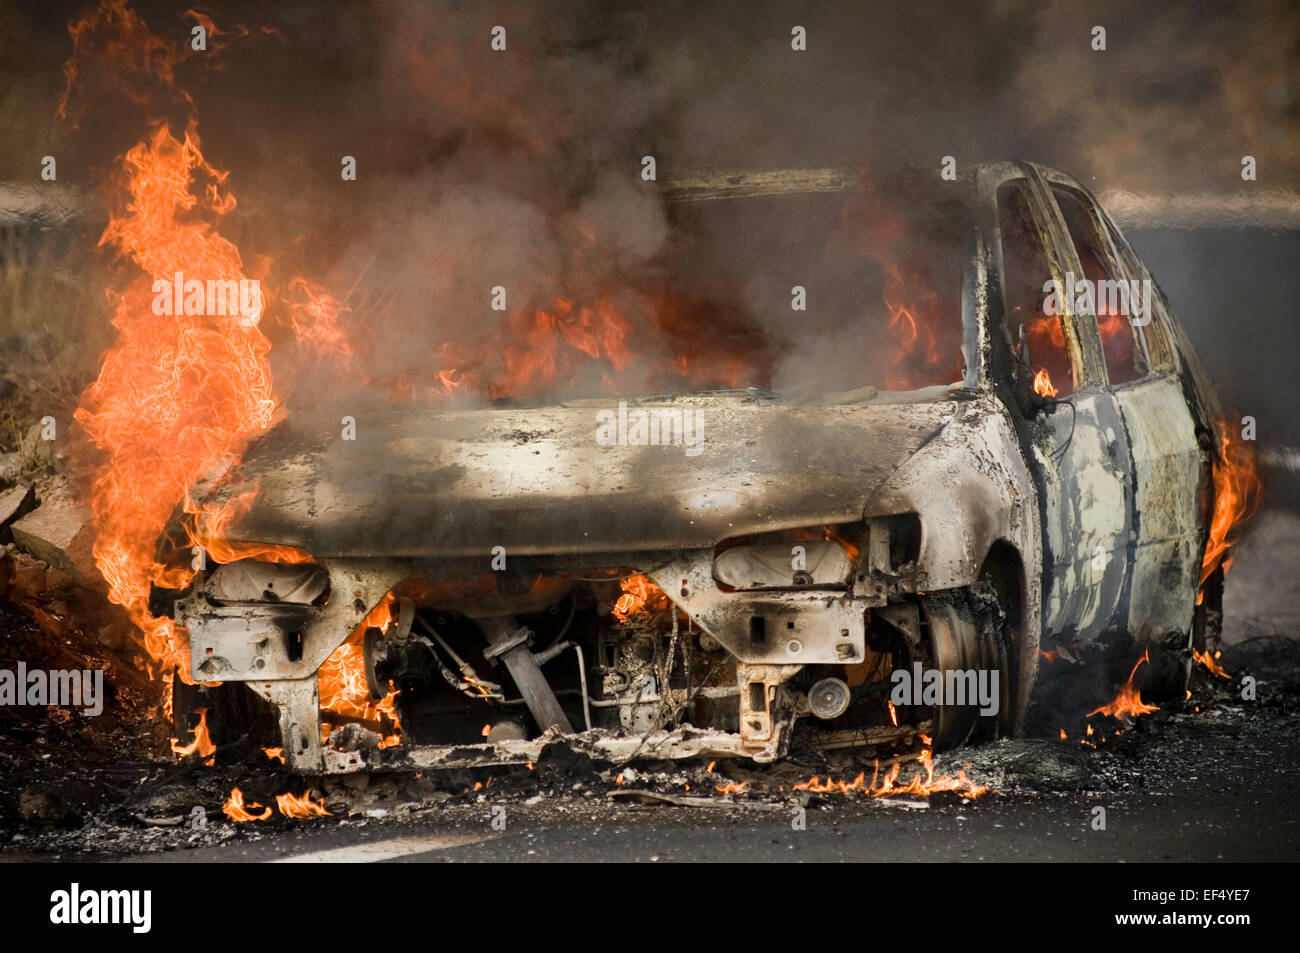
x: 1023, y: 466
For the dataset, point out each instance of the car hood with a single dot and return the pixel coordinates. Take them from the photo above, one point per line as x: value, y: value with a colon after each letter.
x: 536, y: 480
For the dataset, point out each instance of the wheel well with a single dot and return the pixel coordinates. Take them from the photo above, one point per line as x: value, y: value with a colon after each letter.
x: 1005, y: 571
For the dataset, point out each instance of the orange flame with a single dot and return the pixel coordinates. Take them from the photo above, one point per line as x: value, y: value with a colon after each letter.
x: 1128, y: 703
x: 341, y: 679
x: 1237, y: 495
x: 176, y: 394
x: 202, y: 742
x: 234, y: 809
x: 1211, y: 664
x: 730, y: 787
x: 1043, y: 384
x: 889, y: 787
x: 300, y: 807
x: 639, y: 595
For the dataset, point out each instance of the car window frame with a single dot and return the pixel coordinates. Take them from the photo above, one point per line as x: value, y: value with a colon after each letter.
x: 1119, y: 266
x: 1082, y: 359
x: 1159, y: 326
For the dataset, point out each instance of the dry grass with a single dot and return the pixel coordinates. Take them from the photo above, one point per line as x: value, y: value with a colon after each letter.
x: 53, y: 329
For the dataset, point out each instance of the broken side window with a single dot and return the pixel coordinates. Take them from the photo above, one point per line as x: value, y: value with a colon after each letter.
x: 1153, y: 334
x: 1026, y: 273
x: 1116, y: 302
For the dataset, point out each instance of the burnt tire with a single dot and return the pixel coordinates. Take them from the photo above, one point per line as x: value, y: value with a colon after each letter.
x: 967, y: 631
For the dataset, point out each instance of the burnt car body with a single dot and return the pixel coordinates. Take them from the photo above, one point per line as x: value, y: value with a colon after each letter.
x: 822, y: 542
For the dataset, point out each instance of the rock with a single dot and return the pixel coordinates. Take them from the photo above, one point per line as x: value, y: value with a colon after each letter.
x: 1049, y: 766
x: 40, y: 807
x: 61, y: 535
x: 28, y: 576
x: 11, y: 466
x: 14, y: 504
x: 38, y: 451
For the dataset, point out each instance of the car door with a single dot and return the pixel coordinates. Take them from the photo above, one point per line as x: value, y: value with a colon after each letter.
x: 1142, y: 376
x: 1076, y: 442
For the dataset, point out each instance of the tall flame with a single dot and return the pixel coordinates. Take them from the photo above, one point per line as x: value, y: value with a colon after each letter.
x: 177, y: 393
x: 1237, y: 495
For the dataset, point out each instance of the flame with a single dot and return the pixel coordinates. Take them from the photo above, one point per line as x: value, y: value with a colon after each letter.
x: 1237, y: 495
x: 1043, y: 384
x: 176, y: 394
x: 874, y: 225
x: 342, y: 679
x: 893, y: 713
x: 234, y: 809
x: 639, y: 595
x: 730, y: 787
x: 275, y: 754
x: 1211, y: 664
x: 1128, y: 703
x: 202, y: 742
x: 889, y: 787
x: 300, y: 807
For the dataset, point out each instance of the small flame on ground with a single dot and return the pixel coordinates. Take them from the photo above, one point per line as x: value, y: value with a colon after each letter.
x: 730, y: 787
x: 889, y: 786
x: 275, y: 754
x: 1128, y: 703
x: 300, y: 807
x: 235, y: 810
x: 893, y: 713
